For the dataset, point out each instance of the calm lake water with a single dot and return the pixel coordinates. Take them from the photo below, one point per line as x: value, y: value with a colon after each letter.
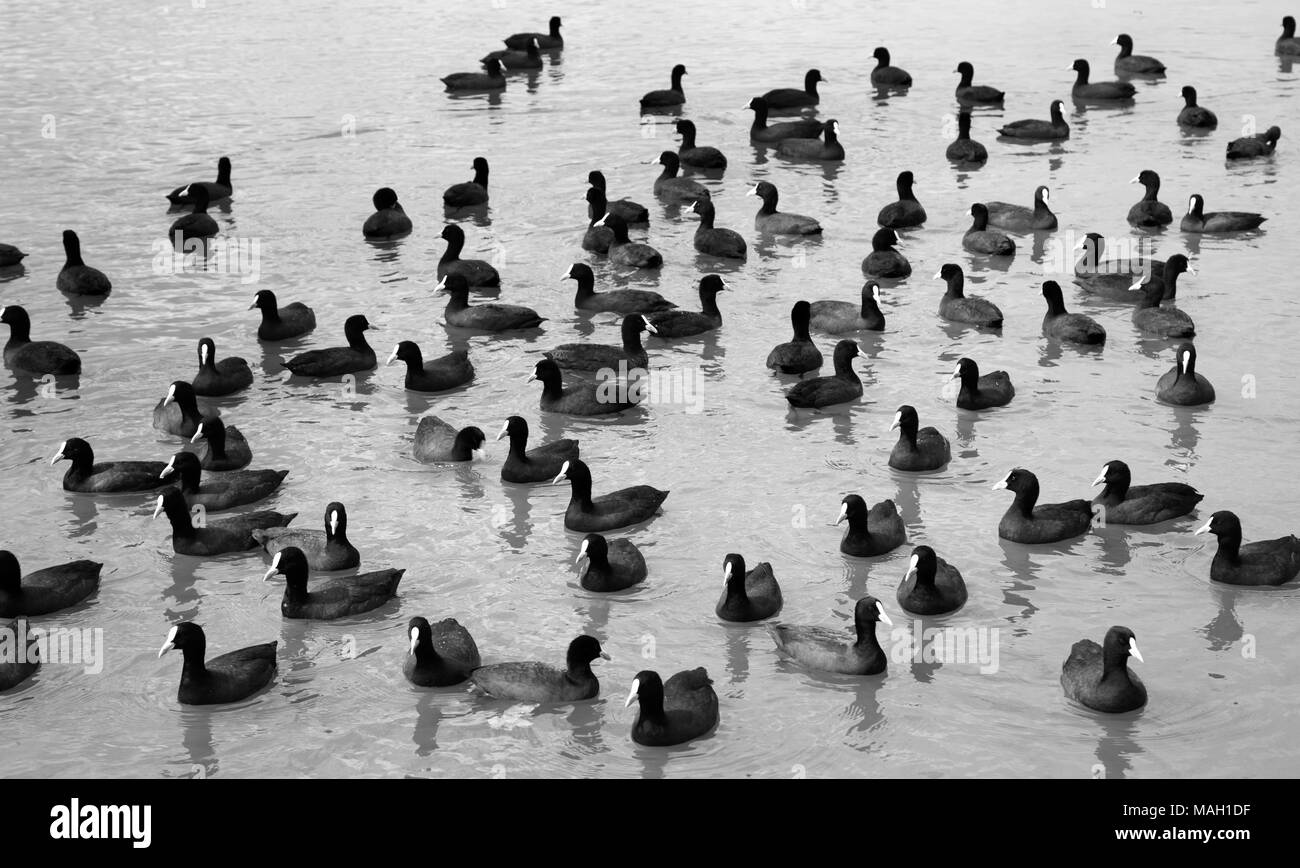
x: 108, y: 108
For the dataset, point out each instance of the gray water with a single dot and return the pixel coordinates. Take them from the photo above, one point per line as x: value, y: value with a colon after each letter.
x: 106, y: 109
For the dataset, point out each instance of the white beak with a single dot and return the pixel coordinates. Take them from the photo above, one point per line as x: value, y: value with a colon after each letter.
x: 167, y: 644
x: 1205, y: 528
x: 58, y: 453
x: 504, y: 429
x: 938, y: 276
x: 844, y: 513
x: 752, y: 191
x: 442, y: 284
x: 650, y: 327
x: 479, y: 454
x: 1002, y: 484
x: 334, y: 522
x: 203, y: 354
x: 880, y: 609
x: 632, y: 694
x: 171, y: 465
x: 726, y: 573
x: 171, y: 395
x: 198, y: 434
x: 1133, y: 649
x: 582, y: 552
x: 1100, y: 478
x: 157, y: 509
x: 1191, y: 270
x: 898, y: 421
x: 391, y: 358
x: 603, y: 220
x: 1136, y: 181
x: 275, y: 568
x: 415, y: 638
x: 568, y: 272
x: 560, y: 477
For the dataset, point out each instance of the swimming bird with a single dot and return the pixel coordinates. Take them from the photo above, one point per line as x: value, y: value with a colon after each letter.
x: 389, y: 219
x: 597, y: 357
x: 228, y: 678
x: 870, y: 532
x: 541, y: 682
x: 630, y: 211
x: 1287, y: 42
x: 670, y: 98
x: 1259, y: 145
x: 1075, y: 328
x: 1029, y: 522
x: 1194, y: 115
x: 542, y: 464
x: 583, y: 399
x: 34, y: 357
x: 492, y: 79
x: 1149, y: 211
x: 106, y: 477
x: 469, y: 193
x: 980, y: 239
x: 215, y: 536
x: 438, y: 442
x: 221, y: 490
x: 224, y: 448
x: 1134, y: 64
x: 886, y: 75
x: 611, y: 565
x: 839, y: 317
x: 826, y: 149
x: 1126, y: 503
x: 598, y: 236
x: 47, y: 590
x: 776, y: 222
x: 697, y: 156
x: 328, y: 549
x: 476, y: 271
x: 761, y: 131
x: 197, y: 224
x: 177, y: 412
x: 216, y: 190
x: 330, y: 598
x: 489, y: 317
x: 445, y: 372
x: 956, y: 306
x: 1265, y: 562
x: 513, y: 59
x: 918, y: 449
x: 1100, y: 91
x: 1040, y: 130
x: 799, y: 355
x: 688, y: 323
x: 1098, y: 677
x: 1196, y: 220
x: 357, y: 356
x: 964, y: 149
x: 975, y: 94
x: 1181, y: 384
x: 549, y: 41
x: 826, y: 651
x: 839, y: 388
x: 747, y: 595
x: 993, y: 389
x: 684, y: 708
x: 440, y: 654
x: 1112, y: 278
x: 76, y: 277
x: 716, y: 241
x: 216, y: 379
x: 1019, y: 218
x: 907, y: 211
x: 793, y: 97
x: 626, y: 506
x: 10, y: 256
x: 622, y: 301
x: 931, y: 586
x: 670, y: 187
x: 623, y: 251
x: 281, y: 323
x: 1163, y: 320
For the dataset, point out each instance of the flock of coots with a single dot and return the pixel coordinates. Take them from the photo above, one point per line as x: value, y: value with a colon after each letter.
x: 573, y: 376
